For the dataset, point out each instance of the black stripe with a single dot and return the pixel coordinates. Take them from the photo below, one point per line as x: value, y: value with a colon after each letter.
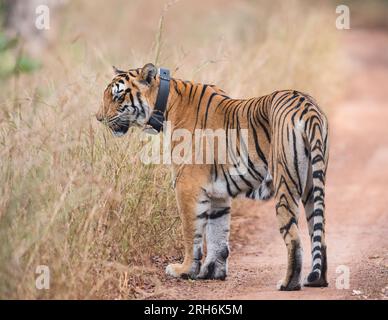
x: 227, y: 183
x: 247, y: 183
x: 207, y: 108
x: 317, y: 159
x: 316, y: 248
x: 219, y: 214
x: 309, y: 194
x: 316, y: 213
x: 318, y: 226
x: 199, y: 105
x: 287, y: 227
x: 191, y: 90
x: 296, y: 162
x: 195, y: 92
x: 258, y: 149
x: 317, y: 266
x: 317, y: 256
x: 297, y: 106
x: 283, y: 181
x: 317, y: 239
x: 215, y: 171
x: 202, y: 215
x: 320, y: 190
x: 234, y: 182
x: 318, y: 175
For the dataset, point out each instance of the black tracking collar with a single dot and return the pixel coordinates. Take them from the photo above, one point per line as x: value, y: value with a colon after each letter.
x: 157, y: 117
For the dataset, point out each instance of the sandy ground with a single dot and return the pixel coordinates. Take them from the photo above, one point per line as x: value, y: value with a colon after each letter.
x: 357, y: 201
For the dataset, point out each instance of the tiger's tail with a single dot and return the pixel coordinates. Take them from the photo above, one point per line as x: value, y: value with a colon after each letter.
x: 317, y: 137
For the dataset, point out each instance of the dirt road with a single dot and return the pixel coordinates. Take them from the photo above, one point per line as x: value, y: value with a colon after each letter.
x: 357, y: 201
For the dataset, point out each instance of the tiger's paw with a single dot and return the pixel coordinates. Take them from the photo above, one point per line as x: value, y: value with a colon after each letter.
x: 214, y: 270
x: 178, y: 270
x: 215, y: 266
x: 290, y: 286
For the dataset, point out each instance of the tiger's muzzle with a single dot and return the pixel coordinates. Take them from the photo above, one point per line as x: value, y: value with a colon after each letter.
x: 117, y: 125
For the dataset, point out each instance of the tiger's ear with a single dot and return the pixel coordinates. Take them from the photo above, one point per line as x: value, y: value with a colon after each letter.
x: 148, y: 73
x: 117, y: 71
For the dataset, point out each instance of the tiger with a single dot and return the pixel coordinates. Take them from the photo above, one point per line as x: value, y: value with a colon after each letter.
x: 287, y: 159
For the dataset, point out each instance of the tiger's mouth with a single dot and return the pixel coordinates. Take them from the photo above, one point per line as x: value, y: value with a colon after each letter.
x: 119, y: 127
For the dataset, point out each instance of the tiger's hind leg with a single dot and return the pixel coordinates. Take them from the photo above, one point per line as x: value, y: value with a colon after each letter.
x: 215, y: 265
x: 287, y: 215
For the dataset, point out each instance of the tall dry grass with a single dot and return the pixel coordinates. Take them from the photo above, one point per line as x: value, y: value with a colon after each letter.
x: 78, y: 200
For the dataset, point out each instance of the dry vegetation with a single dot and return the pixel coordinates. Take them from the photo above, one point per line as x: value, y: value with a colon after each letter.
x: 76, y: 199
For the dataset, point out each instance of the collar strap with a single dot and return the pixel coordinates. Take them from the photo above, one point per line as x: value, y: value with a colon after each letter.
x: 157, y: 117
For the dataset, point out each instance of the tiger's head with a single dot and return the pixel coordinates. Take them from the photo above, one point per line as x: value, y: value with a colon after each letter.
x: 129, y: 99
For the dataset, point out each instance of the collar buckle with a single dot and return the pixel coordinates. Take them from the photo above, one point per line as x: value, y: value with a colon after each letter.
x: 164, y: 74
x: 157, y: 117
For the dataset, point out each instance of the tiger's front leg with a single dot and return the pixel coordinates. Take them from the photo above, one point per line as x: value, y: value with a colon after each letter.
x: 193, y: 206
